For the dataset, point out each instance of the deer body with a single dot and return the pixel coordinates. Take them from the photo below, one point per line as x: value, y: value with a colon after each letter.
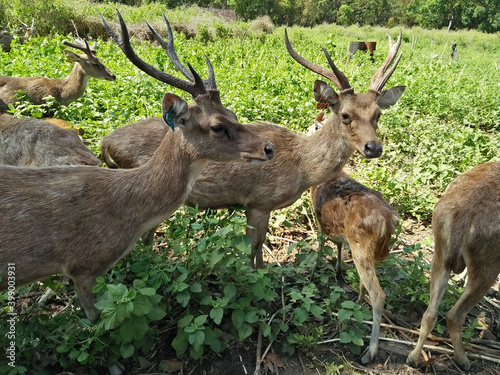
x: 38, y: 143
x: 64, y: 90
x: 84, y: 219
x: 300, y: 161
x: 349, y: 211
x: 466, y: 234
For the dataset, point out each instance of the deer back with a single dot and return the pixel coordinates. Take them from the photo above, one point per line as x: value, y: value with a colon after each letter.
x: 346, y: 208
x: 37, y: 143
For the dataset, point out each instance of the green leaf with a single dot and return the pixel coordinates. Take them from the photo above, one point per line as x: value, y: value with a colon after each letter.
x: 251, y: 316
x: 127, y: 350
x: 195, y: 288
x: 142, y: 305
x: 200, y: 320
x: 82, y: 357
x: 117, y: 292
x: 344, y: 315
x: 238, y: 318
x: 344, y: 337
x: 317, y: 311
x: 197, y: 338
x: 183, y: 297
x: 180, y: 343
x: 244, y: 331
x: 147, y: 291
x: 63, y: 348
x: 216, y: 314
x: 299, y: 316
x: 185, y: 321
x: 348, y: 305
x: 230, y: 290
x: 134, y: 329
x: 157, y: 313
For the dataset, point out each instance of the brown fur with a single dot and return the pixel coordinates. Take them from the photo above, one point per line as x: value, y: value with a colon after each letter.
x: 349, y: 211
x: 38, y: 143
x: 466, y: 230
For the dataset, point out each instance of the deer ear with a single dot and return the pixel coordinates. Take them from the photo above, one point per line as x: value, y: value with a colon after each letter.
x: 174, y: 110
x: 324, y: 95
x: 71, y: 56
x: 390, y: 97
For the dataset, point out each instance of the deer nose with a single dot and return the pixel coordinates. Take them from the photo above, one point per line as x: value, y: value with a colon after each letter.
x: 373, y: 150
x: 269, y: 151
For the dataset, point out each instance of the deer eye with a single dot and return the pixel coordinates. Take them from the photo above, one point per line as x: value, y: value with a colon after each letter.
x: 218, y: 129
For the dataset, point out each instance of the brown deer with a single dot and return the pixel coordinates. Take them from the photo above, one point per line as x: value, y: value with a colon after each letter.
x: 37, y: 143
x: 466, y: 230
x: 81, y: 220
x: 347, y: 211
x: 300, y: 161
x: 64, y: 90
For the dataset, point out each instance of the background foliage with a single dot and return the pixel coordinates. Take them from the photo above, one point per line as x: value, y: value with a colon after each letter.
x: 185, y: 299
x: 483, y: 15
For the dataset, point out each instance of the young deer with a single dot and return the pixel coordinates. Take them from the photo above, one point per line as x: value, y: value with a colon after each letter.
x: 64, y: 90
x: 81, y: 220
x: 37, y: 143
x: 349, y: 211
x: 466, y: 234
x: 300, y: 161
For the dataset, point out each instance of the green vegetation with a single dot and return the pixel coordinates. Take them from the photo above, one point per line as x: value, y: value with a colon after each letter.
x: 194, y: 295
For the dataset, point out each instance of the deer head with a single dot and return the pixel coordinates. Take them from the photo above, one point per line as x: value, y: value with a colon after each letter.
x: 91, y: 65
x: 357, y: 113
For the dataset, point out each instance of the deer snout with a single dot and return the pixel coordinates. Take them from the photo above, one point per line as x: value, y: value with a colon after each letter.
x: 269, y: 151
x: 373, y: 150
x: 111, y: 77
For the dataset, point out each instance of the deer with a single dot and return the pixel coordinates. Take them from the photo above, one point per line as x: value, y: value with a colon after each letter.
x: 64, y: 90
x: 85, y: 219
x: 38, y: 143
x: 466, y: 235
x: 347, y: 211
x: 300, y: 161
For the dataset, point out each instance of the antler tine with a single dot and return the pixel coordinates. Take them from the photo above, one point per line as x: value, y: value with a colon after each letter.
x: 83, y: 46
x: 123, y: 42
x: 316, y: 68
x: 169, y: 48
x: 380, y: 79
x: 344, y: 83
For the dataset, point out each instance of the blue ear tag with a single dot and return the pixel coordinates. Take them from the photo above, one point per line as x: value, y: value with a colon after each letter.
x: 169, y: 119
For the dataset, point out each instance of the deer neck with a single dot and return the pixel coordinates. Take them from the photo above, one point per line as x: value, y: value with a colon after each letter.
x: 325, y: 153
x: 169, y: 175
x: 73, y: 86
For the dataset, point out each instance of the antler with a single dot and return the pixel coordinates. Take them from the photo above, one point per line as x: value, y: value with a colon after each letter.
x: 168, y: 46
x: 336, y: 76
x: 194, y: 86
x: 84, y: 48
x: 378, y: 81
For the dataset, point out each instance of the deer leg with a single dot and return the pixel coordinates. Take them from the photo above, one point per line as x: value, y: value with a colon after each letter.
x: 257, y: 224
x: 368, y: 276
x: 338, y: 267
x: 439, y: 284
x: 475, y: 289
x: 149, y: 236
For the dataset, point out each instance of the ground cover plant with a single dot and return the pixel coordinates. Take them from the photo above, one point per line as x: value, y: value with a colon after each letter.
x: 192, y: 295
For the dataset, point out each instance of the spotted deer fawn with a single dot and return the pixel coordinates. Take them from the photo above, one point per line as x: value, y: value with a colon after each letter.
x: 349, y: 211
x: 64, y: 90
x: 466, y: 230
x: 37, y: 143
x: 81, y: 220
x: 300, y: 161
